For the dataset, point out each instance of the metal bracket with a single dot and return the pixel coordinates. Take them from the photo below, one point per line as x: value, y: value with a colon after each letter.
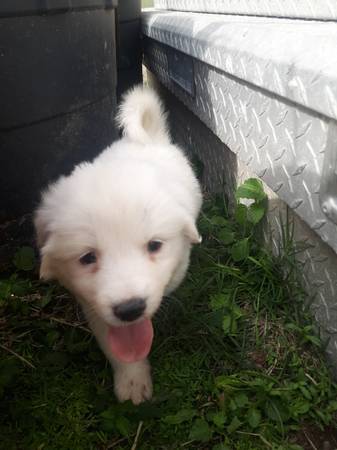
x: 181, y: 70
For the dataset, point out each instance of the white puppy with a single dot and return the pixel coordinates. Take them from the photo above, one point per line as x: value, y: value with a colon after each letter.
x: 117, y: 233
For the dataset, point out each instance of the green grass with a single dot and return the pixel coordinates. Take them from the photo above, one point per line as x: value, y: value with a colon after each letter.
x: 236, y: 362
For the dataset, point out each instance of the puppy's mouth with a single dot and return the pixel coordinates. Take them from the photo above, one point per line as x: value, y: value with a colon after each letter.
x: 132, y: 342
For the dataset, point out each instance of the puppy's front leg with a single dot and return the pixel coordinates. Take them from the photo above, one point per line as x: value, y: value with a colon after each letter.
x: 132, y: 381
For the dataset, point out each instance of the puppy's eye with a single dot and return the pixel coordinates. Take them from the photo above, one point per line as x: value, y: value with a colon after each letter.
x: 88, y: 258
x: 154, y: 246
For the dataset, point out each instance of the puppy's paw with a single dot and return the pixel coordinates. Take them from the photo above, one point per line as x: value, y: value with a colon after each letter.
x: 133, y: 382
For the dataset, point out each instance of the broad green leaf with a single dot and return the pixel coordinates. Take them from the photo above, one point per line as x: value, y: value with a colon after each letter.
x: 219, y: 301
x: 219, y: 221
x: 333, y: 406
x: 241, y: 212
x: 226, y: 236
x: 123, y: 426
x: 254, y: 417
x: 219, y: 419
x: 234, y: 425
x: 108, y: 426
x: 300, y: 407
x: 251, y: 189
x: 227, y: 324
x: 24, y: 259
x: 256, y: 213
x: 236, y: 311
x: 108, y: 414
x: 240, y: 250
x: 108, y: 421
x: 183, y: 415
x: 241, y: 400
x: 200, y: 431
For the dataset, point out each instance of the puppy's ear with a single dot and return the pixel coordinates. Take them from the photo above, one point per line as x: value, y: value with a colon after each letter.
x: 191, y: 232
x: 41, y: 228
x: 42, y: 238
x: 46, y: 270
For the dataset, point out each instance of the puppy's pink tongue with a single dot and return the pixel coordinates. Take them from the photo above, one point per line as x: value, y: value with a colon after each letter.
x: 132, y: 342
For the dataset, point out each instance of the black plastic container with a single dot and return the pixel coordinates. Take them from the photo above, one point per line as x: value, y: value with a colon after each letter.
x: 58, y: 82
x: 129, y: 51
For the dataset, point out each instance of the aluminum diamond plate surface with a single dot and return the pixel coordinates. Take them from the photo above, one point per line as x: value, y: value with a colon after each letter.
x: 294, y: 59
x: 305, y: 9
x: 278, y: 139
x: 222, y: 171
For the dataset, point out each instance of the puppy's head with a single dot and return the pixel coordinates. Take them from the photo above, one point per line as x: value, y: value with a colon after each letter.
x: 115, y: 244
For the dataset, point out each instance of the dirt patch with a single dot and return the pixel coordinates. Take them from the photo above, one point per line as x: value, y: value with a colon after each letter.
x: 310, y: 437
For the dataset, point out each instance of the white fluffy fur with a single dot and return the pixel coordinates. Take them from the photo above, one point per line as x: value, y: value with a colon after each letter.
x: 139, y: 189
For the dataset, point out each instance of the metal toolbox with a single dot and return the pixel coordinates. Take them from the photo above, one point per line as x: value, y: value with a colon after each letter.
x: 264, y: 90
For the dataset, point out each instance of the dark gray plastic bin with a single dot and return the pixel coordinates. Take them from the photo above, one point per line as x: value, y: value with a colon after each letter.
x: 129, y: 52
x: 58, y: 83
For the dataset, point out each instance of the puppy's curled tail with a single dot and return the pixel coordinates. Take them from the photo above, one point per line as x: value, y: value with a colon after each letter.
x: 142, y: 117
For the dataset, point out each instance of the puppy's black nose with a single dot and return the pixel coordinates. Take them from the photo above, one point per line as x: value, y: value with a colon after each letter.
x: 130, y: 310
